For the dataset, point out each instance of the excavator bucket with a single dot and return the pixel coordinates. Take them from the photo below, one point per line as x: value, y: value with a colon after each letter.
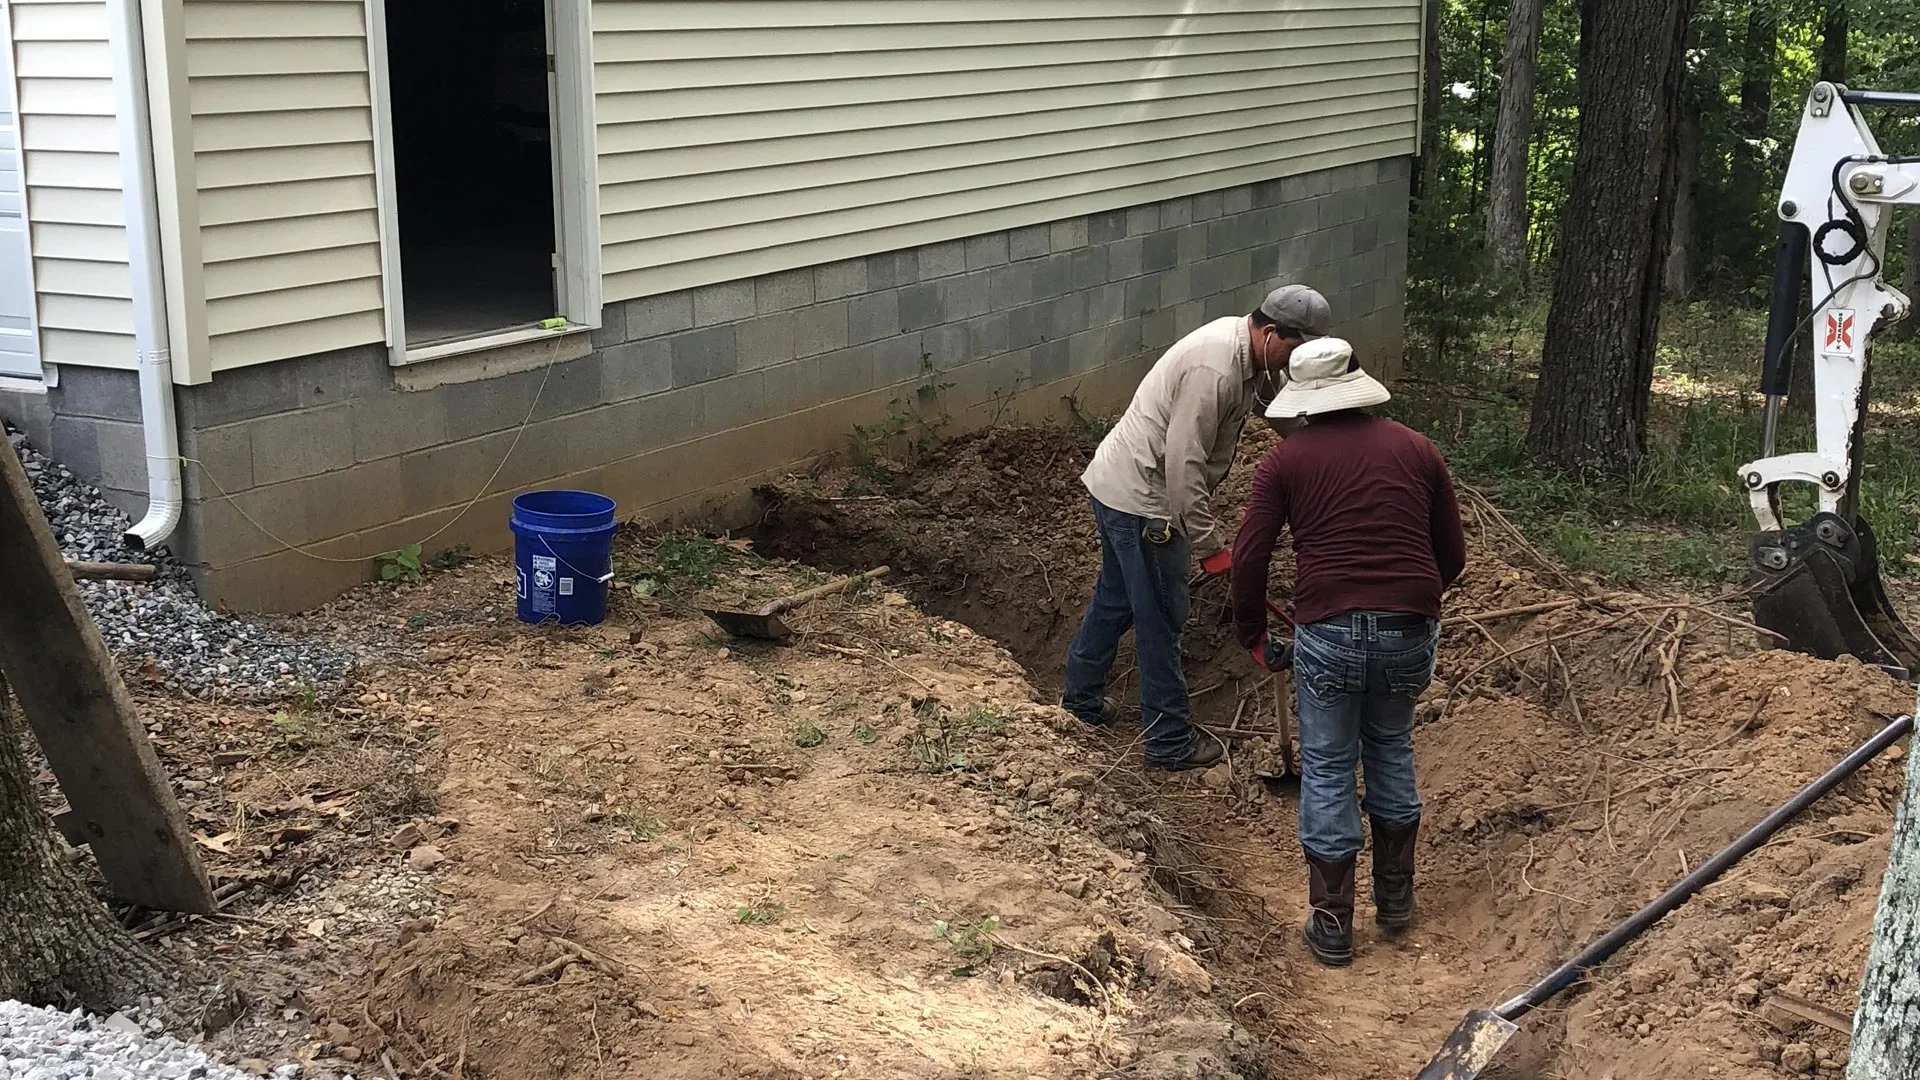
x: 1817, y: 590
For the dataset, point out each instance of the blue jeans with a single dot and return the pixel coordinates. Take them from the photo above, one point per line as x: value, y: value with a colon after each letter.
x: 1356, y: 683
x: 1142, y: 587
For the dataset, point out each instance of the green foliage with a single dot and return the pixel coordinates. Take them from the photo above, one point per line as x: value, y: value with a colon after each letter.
x: 807, y: 736
x: 400, y: 564
x: 914, y: 426
x: 682, y: 563
x: 972, y: 942
x: 454, y: 556
x: 759, y: 914
x: 1085, y: 426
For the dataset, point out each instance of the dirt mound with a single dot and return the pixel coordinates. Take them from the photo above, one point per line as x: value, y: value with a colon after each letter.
x: 1580, y: 750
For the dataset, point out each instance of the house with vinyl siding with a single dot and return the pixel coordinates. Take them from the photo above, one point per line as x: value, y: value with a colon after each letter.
x: 298, y: 278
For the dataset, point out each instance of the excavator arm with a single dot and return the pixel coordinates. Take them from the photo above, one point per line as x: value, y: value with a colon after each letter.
x: 1816, y: 583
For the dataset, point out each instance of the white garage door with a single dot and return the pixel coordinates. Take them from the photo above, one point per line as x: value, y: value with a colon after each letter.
x: 19, y: 348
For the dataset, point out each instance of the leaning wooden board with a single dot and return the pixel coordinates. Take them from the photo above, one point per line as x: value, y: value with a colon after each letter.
x: 80, y: 713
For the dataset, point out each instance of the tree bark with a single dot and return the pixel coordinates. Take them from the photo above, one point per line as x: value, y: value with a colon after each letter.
x: 1833, y: 42
x: 1679, y: 273
x: 1507, y: 183
x: 1906, y: 328
x: 1886, y: 1025
x: 1596, y: 372
x: 58, y: 944
x: 1429, y: 171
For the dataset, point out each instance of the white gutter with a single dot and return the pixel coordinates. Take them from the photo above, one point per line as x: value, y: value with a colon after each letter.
x: 141, y: 205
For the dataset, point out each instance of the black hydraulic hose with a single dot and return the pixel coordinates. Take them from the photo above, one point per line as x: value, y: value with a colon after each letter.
x: 1783, y: 311
x: 1637, y: 923
x: 1894, y: 98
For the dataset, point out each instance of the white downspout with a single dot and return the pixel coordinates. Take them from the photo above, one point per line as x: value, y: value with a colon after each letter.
x: 133, y: 125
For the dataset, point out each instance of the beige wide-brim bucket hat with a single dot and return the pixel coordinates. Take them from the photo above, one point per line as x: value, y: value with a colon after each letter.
x: 1318, y: 382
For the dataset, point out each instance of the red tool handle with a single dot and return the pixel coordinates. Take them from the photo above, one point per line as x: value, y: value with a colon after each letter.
x: 1275, y: 610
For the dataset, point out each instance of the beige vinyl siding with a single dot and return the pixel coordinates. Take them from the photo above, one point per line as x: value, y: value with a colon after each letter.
x: 284, y: 172
x: 740, y: 137
x: 70, y: 154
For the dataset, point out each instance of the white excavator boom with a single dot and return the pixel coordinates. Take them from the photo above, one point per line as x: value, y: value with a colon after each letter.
x: 1817, y: 586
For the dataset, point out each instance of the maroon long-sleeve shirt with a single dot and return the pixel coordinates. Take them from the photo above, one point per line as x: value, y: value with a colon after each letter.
x: 1375, y: 524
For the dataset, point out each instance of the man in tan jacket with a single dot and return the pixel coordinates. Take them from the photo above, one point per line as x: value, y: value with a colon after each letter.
x: 1151, y: 484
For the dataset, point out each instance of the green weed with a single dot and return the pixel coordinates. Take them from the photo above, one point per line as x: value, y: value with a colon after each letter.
x: 1084, y: 426
x: 866, y: 734
x: 972, y: 942
x: 759, y: 914
x: 400, y: 564
x: 807, y: 736
x: 682, y: 564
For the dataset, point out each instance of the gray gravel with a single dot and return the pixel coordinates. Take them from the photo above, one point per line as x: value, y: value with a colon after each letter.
x: 160, y: 630
x: 45, y: 1044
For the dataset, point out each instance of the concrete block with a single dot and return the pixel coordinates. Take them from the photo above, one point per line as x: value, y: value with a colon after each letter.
x: 1053, y: 276
x: 1191, y: 314
x: 783, y: 291
x: 943, y: 259
x: 1105, y: 228
x: 892, y: 269
x: 1142, y: 296
x: 729, y: 301
x: 1305, y: 185
x: 308, y: 442
x: 1269, y: 192
x: 898, y: 359
x: 1069, y: 234
x: 1126, y: 258
x: 572, y: 385
x: 921, y: 306
x: 655, y: 316
x: 300, y: 511
x: 1142, y: 220
x: 1159, y: 330
x: 1090, y: 266
x: 986, y: 251
x: 1236, y: 271
x: 846, y: 373
x: 764, y: 341
x: 29, y: 412
x: 836, y: 280
x: 1028, y: 325
x: 123, y: 455
x: 1107, y: 303
x: 1162, y: 252
x: 1362, y: 299
x: 1031, y: 242
x: 1205, y: 277
x: 946, y: 346
x: 483, y: 405
x: 613, y: 326
x: 1266, y: 261
x: 703, y: 355
x: 1011, y: 286
x: 873, y: 316
x: 1176, y: 212
x: 1068, y: 316
x: 102, y: 393
x: 1125, y: 337
x: 240, y: 394
x: 1208, y: 206
x: 1048, y: 361
x: 739, y: 399
x: 1176, y: 286
x: 1394, y: 170
x: 968, y: 295
x: 1088, y: 349
x: 1192, y: 243
x: 1226, y: 234
x: 223, y: 456
x: 636, y: 369
x: 1298, y: 218
x: 820, y: 328
x: 453, y: 473
x: 393, y: 423
x: 1236, y: 200
x: 989, y: 335
x: 1261, y: 224
x: 1366, y: 234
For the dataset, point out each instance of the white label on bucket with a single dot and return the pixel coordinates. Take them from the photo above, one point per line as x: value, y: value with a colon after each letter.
x: 521, y: 591
x: 566, y: 586
x: 545, y: 562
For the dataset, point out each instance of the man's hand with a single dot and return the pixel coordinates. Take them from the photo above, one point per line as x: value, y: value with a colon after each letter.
x: 1270, y: 656
x: 1259, y: 652
x: 1219, y: 563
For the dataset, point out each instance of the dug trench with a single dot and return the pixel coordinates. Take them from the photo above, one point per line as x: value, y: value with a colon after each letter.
x: 1579, y: 750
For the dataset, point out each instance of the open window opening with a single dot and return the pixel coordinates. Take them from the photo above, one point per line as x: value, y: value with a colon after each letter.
x: 473, y: 162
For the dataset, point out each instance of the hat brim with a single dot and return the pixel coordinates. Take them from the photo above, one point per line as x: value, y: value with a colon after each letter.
x: 1354, y: 390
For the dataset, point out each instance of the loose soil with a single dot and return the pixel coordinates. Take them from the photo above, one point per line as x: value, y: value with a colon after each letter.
x: 642, y: 849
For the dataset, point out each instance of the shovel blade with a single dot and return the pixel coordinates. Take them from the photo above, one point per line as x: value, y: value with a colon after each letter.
x: 751, y: 624
x: 1471, y: 1048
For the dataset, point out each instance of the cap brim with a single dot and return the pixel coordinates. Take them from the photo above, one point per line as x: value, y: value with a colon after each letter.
x: 1295, y: 400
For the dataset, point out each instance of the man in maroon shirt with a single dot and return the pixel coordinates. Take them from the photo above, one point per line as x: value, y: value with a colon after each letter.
x: 1376, y: 540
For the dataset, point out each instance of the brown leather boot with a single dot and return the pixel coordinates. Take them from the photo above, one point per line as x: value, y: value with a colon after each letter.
x: 1393, y: 875
x: 1329, y: 930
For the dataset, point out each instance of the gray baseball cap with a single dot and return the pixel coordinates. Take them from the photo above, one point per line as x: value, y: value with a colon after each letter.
x: 1300, y: 308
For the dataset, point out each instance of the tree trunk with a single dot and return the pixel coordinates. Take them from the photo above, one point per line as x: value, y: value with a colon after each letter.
x: 1886, y: 1025
x: 1833, y: 42
x: 1679, y: 273
x: 1429, y: 171
x: 1905, y: 329
x: 58, y: 944
x: 1507, y: 184
x: 1596, y: 372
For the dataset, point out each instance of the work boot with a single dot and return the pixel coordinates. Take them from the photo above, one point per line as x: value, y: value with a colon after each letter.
x: 1109, y: 713
x: 1205, y: 753
x: 1329, y: 929
x: 1393, y: 875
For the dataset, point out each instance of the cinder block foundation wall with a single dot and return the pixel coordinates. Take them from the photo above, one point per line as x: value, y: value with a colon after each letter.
x: 683, y: 401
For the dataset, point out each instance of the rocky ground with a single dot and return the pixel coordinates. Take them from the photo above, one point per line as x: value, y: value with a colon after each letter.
x: 644, y: 849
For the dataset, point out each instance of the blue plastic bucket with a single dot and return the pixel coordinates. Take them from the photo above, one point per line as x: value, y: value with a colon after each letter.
x: 563, y: 555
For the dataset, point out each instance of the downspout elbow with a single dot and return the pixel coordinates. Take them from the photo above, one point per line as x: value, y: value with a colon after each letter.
x: 165, y: 493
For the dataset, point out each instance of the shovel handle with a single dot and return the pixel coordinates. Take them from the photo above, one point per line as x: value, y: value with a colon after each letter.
x: 788, y: 603
x: 1637, y: 923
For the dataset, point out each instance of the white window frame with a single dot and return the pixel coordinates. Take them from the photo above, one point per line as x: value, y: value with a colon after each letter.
x: 578, y: 281
x: 10, y: 380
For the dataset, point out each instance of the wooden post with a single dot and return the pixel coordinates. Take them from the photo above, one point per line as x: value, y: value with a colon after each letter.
x: 80, y: 713
x: 1886, y: 1026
